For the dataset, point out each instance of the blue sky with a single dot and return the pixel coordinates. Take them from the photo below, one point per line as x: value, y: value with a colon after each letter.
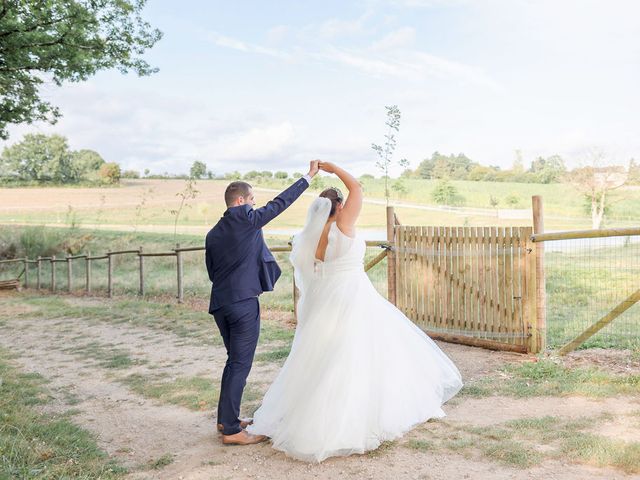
x: 269, y: 85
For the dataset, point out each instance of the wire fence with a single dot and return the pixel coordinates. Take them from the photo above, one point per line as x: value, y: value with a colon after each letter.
x: 586, y: 279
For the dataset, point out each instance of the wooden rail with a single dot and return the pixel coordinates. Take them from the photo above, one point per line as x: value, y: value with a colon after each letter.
x: 576, y: 234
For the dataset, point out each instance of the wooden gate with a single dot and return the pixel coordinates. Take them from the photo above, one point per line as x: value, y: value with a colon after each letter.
x: 469, y: 285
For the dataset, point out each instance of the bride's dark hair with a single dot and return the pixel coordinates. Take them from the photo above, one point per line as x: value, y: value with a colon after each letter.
x: 336, y: 197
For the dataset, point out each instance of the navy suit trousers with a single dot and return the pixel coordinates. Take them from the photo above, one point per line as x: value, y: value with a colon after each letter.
x: 239, y: 325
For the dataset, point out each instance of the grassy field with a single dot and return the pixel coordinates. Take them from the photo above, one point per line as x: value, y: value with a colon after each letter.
x: 147, y: 204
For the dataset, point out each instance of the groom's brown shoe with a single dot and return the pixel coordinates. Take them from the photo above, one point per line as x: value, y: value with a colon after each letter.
x: 243, y: 438
x: 243, y: 424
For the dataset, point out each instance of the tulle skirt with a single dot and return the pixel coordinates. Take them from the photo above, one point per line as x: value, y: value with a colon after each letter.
x: 359, y: 373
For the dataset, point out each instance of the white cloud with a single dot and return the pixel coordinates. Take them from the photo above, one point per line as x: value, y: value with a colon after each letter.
x: 401, y: 37
x: 256, y: 143
x: 235, y: 44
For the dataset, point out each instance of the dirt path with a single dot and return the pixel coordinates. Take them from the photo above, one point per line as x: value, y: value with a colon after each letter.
x: 138, y: 431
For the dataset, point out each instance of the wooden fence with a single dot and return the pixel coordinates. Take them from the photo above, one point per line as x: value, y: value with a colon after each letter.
x: 471, y: 285
x: 87, y: 260
x: 476, y: 286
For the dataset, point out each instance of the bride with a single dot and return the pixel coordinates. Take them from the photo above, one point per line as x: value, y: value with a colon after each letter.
x: 359, y: 372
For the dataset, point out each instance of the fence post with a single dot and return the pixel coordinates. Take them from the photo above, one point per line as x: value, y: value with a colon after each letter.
x: 26, y: 272
x: 179, y: 268
x: 53, y: 273
x: 109, y: 274
x: 38, y: 272
x: 87, y: 273
x: 141, y: 259
x: 391, y: 258
x: 529, y: 300
x: 541, y: 296
x: 69, y: 274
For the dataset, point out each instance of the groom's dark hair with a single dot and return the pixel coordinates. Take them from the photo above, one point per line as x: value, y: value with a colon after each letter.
x: 235, y: 190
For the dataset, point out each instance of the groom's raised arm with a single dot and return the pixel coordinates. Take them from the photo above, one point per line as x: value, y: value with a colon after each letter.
x: 263, y: 215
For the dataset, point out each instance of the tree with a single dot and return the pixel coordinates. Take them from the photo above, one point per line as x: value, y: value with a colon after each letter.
x: 198, y: 170
x: 548, y: 170
x: 65, y: 40
x: 512, y: 200
x: 634, y: 173
x: 110, y: 173
x: 87, y: 162
x: 445, y: 194
x: 131, y: 174
x: 385, y: 154
x: 189, y: 193
x: 251, y: 175
x: 455, y: 167
x: 399, y: 187
x: 281, y: 175
x: 40, y: 158
x: 597, y: 181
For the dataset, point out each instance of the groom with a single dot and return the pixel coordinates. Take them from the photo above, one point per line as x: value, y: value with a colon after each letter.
x: 240, y: 268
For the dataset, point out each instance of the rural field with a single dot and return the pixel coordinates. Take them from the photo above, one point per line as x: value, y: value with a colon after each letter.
x: 147, y: 205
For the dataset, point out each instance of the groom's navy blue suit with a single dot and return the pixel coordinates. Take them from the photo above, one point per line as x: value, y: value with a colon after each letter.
x: 240, y: 268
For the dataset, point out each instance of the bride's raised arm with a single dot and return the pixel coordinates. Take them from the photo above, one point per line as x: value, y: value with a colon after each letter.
x: 351, y: 210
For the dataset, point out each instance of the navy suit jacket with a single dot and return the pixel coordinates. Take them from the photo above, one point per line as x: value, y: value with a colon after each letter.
x: 238, y: 261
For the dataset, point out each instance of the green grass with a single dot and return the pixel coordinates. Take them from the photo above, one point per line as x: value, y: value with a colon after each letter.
x: 163, y: 461
x: 194, y: 393
x: 275, y: 355
x: 549, y: 378
x: 105, y: 355
x: 33, y: 446
x: 517, y: 443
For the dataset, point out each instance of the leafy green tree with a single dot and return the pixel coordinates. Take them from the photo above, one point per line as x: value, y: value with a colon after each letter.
x: 366, y: 176
x: 232, y: 175
x: 110, y: 173
x: 282, y: 175
x: 40, y: 158
x: 87, y: 162
x: 455, y: 167
x: 198, y: 170
x: 266, y: 174
x: 399, y: 187
x: 445, y: 193
x: 548, y: 170
x: 130, y: 174
x: 64, y: 40
x: 251, y: 175
x: 512, y: 200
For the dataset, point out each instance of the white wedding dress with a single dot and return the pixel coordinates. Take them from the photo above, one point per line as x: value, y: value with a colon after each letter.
x: 359, y: 372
